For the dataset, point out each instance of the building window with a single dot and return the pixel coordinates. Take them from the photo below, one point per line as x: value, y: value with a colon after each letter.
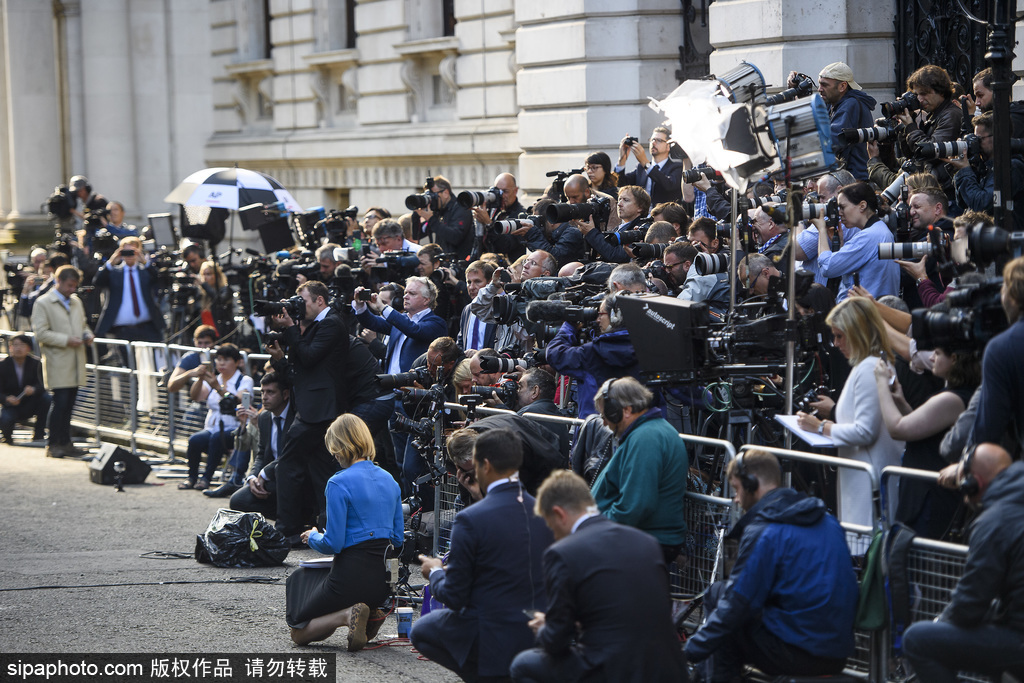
x: 448, y: 17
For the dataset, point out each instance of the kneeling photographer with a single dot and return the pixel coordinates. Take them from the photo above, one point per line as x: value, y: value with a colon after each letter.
x: 590, y: 363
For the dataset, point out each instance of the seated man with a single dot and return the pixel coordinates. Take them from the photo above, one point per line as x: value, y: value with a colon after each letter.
x: 22, y: 393
x: 644, y: 483
x: 609, y: 610
x: 187, y: 368
x: 493, y: 571
x: 259, y: 494
x: 789, y: 604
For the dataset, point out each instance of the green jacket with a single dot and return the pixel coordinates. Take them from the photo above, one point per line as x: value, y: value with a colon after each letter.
x: 644, y: 483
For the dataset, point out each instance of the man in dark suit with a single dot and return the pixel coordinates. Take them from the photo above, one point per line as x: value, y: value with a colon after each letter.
x: 315, y: 367
x: 475, y: 333
x: 131, y: 311
x: 660, y: 176
x: 537, y: 395
x: 410, y: 333
x: 493, y: 571
x: 259, y: 494
x: 609, y: 592
x: 21, y: 389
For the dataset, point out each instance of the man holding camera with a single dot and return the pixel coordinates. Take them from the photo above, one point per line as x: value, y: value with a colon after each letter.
x: 975, y: 188
x: 451, y: 224
x: 633, y: 205
x: 848, y: 107
x: 131, y: 311
x: 564, y: 241
x: 510, y: 245
x: 538, y: 264
x: 315, y: 366
x: 660, y: 175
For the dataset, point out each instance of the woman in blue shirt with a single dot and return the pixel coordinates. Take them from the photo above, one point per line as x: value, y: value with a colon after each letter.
x: 364, y: 520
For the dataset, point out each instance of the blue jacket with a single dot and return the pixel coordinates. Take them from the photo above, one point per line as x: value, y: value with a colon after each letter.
x: 852, y: 111
x: 793, y: 573
x: 364, y: 503
x: 430, y: 327
x: 590, y: 364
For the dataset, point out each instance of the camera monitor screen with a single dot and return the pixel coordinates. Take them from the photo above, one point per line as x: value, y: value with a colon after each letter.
x: 162, y: 225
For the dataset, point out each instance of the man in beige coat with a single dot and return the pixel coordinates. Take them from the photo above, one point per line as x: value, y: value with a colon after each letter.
x: 58, y: 319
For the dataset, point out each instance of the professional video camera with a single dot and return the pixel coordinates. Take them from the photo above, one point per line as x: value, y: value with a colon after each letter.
x: 558, y: 184
x: 420, y: 375
x: 692, y: 175
x: 597, y: 207
x: 60, y: 203
x: 398, y: 265
x: 309, y: 227
x: 489, y: 199
x: 424, y: 200
x: 305, y: 264
x: 969, y: 317
x: 907, y: 102
x: 561, y: 311
x: 294, y: 306
x: 804, y: 87
x: 509, y: 225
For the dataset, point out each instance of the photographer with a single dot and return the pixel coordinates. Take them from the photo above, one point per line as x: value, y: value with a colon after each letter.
x: 315, y: 366
x: 451, y: 224
x: 610, y: 354
x: 537, y: 395
x: 938, y: 120
x: 130, y: 311
x: 325, y: 257
x: 578, y: 191
x: 538, y: 264
x: 1001, y: 406
x: 678, y: 259
x: 659, y: 176
x: 848, y: 107
x: 221, y: 390
x: 444, y: 280
x: 473, y: 332
x: 510, y: 245
x: 975, y: 188
x: 563, y: 241
x: 633, y: 205
x: 806, y: 243
x: 772, y: 236
x: 81, y: 190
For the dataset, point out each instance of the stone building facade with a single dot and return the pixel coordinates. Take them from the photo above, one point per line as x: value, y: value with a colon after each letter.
x: 357, y: 101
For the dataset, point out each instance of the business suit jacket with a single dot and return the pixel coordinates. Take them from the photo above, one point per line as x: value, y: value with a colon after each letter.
x: 493, y: 573
x: 613, y: 581
x: 316, y: 369
x: 63, y: 365
x: 665, y: 181
x: 113, y: 279
x: 420, y: 334
x: 32, y: 375
x: 465, y: 334
x: 263, y: 455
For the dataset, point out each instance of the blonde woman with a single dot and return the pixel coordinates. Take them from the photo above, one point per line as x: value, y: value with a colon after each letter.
x: 364, y: 520
x: 858, y: 430
x: 216, y: 305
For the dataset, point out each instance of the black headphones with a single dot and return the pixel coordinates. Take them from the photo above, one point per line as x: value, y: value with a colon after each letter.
x: 969, y: 485
x: 749, y: 482
x: 611, y: 409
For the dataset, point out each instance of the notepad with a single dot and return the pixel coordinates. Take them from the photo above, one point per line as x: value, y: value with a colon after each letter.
x: 318, y: 563
x: 810, y: 438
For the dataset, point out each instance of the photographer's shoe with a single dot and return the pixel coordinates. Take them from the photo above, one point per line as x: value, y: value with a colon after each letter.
x: 357, y: 619
x: 222, y: 491
x: 374, y: 623
x: 56, y: 451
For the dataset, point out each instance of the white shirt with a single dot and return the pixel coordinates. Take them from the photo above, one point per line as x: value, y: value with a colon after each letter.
x: 591, y: 512
x: 394, y: 367
x: 126, y: 313
x: 234, y: 385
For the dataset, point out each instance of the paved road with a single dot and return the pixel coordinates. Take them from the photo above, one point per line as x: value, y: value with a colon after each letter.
x: 59, y: 529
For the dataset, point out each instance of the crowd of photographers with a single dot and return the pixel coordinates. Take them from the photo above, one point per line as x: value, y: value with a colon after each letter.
x: 471, y: 298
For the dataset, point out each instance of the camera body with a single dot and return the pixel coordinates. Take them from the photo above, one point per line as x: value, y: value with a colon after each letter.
x: 692, y: 175
x: 420, y: 375
x: 907, y: 102
x: 975, y: 315
x: 630, y: 140
x: 294, y: 306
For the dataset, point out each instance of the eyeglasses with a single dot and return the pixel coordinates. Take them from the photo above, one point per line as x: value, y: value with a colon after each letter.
x: 659, y: 140
x: 592, y: 167
x: 751, y: 283
x: 670, y: 266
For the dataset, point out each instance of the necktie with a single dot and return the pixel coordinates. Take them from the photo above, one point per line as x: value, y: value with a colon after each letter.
x: 135, y: 293
x: 279, y: 423
x: 476, y: 334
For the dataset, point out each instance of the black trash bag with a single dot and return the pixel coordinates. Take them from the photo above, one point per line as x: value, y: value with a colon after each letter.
x: 241, y: 539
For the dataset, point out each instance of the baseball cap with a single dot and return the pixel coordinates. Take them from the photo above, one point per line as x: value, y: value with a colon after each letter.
x: 840, y: 72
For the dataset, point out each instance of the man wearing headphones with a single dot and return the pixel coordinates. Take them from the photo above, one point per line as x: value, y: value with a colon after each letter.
x: 982, y: 627
x: 789, y: 603
x: 644, y: 483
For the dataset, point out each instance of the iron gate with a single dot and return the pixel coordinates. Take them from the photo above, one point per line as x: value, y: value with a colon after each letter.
x: 939, y: 32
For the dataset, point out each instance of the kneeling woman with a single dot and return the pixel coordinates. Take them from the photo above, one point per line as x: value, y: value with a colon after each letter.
x: 364, y: 520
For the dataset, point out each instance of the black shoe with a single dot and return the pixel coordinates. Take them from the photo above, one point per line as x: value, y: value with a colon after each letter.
x: 222, y: 491
x: 76, y: 452
x: 7, y: 438
x: 296, y: 542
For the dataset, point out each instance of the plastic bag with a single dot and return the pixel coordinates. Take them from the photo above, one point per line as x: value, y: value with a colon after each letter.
x: 241, y: 539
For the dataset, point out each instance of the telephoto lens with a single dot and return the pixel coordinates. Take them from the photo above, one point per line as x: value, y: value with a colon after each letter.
x: 649, y: 252
x: 904, y: 250
x: 711, y: 264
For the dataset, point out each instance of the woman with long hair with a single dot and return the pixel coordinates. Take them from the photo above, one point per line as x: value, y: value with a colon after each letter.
x: 216, y: 303
x: 858, y: 430
x: 364, y: 521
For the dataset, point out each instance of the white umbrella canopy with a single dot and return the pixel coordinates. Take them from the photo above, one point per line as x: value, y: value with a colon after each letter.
x: 230, y: 188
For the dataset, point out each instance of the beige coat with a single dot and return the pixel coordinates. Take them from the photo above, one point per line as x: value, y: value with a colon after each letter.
x: 63, y: 365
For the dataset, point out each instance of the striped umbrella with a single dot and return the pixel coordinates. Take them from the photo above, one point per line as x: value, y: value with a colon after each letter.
x: 230, y: 188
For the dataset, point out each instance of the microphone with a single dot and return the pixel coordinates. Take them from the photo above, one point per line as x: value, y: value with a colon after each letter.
x: 544, y: 311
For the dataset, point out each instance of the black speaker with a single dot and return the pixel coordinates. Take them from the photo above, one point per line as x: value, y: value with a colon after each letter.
x: 101, y: 469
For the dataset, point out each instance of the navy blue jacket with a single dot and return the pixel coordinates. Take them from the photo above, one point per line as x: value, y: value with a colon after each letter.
x: 793, y: 573
x: 565, y: 243
x: 590, y: 364
x: 114, y: 280
x: 420, y: 334
x: 494, y: 572
x: 852, y: 111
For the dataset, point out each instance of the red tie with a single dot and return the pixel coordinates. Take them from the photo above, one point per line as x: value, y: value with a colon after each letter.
x: 135, y: 294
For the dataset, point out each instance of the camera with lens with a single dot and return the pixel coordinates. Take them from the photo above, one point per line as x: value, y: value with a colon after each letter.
x: 877, y: 133
x: 985, y: 244
x: 969, y: 145
x: 398, y: 264
x: 711, y: 264
x: 60, y: 203
x: 95, y: 220
x: 294, y: 306
x: 596, y: 207
x: 335, y: 224
x: 507, y: 390
x: 509, y: 225
x: 617, y: 239
x: 630, y: 141
x: 427, y: 199
x: 423, y: 427
x: 648, y: 252
x: 489, y: 199
x: 305, y: 265
x: 907, y: 102
x: 778, y: 198
x: 419, y: 375
x: 692, y: 175
x: 228, y: 404
x: 273, y: 337
x: 803, y: 404
x: 804, y: 87
x: 969, y: 317
x: 560, y: 311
